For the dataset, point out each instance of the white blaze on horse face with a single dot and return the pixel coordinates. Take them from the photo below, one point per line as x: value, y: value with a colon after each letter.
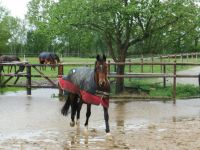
x: 101, y: 67
x: 102, y: 76
x: 102, y: 79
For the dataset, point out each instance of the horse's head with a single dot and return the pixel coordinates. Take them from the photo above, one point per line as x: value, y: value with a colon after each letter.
x: 57, y: 58
x: 51, y: 59
x: 101, y: 71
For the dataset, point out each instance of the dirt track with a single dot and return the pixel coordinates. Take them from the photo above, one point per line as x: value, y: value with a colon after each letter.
x: 183, y: 134
x: 36, y: 123
x: 192, y: 71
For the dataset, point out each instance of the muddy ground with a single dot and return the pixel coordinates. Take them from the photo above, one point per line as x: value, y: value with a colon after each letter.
x: 36, y: 123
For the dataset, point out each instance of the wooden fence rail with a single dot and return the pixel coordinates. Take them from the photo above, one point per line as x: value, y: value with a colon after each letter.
x: 60, y: 72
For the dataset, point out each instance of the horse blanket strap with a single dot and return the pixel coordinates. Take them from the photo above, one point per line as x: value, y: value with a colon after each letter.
x: 81, y: 81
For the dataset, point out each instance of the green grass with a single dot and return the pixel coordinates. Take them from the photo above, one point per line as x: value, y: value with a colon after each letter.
x: 153, y: 88
x: 150, y: 86
x: 10, y: 89
x: 182, y: 91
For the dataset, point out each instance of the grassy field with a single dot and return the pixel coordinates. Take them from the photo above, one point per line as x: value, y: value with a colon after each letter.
x: 151, y: 87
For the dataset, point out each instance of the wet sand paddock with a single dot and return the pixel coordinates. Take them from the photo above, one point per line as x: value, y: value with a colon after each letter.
x: 36, y: 123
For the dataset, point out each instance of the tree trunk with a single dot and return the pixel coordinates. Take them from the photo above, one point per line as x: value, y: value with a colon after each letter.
x: 120, y: 81
x: 196, y: 42
x: 119, y: 56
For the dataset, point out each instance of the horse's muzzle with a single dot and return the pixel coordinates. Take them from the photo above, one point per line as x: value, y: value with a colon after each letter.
x: 102, y: 83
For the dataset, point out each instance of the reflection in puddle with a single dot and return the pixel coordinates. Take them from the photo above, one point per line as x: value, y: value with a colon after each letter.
x: 36, y: 123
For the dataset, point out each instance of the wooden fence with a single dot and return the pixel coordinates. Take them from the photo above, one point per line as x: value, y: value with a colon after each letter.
x: 183, y: 57
x: 25, y: 70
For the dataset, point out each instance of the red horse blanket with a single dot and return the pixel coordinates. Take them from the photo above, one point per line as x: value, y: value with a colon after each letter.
x: 78, y: 86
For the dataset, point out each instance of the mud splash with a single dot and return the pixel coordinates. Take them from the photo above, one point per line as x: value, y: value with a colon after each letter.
x: 36, y: 123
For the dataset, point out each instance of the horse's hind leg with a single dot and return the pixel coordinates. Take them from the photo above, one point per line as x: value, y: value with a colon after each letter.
x: 88, y: 113
x: 106, y: 117
x: 74, y: 106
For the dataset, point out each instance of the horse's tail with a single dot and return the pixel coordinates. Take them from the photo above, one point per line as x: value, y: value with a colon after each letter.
x: 66, y: 106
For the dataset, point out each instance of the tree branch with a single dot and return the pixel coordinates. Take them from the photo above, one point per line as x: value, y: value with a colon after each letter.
x: 110, y: 48
x: 147, y: 34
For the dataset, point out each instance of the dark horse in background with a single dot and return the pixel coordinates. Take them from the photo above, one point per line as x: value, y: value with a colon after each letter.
x: 7, y: 59
x: 49, y: 58
x: 81, y: 86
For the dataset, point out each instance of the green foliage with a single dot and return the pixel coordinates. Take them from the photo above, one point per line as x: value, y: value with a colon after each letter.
x: 37, y: 42
x: 12, y: 33
x: 10, y: 89
x: 182, y: 91
x: 4, y: 30
x: 155, y: 89
x: 120, y: 27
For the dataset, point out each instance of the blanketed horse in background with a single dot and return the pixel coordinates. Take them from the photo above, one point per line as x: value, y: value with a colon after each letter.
x: 8, y: 58
x: 48, y: 58
x: 81, y: 86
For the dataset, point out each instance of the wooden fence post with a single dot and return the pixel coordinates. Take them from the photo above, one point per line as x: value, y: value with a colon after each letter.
x: 164, y: 78
x: 115, y: 68
x: 196, y: 57
x: 142, y: 64
x: 28, y: 82
x: 152, y: 64
x: 60, y: 73
x: 1, y: 77
x: 109, y: 67
x: 161, y: 66
x: 174, y: 84
x: 182, y: 58
x: 130, y: 68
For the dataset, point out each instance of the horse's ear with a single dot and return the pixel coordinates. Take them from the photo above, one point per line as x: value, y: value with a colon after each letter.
x: 98, y: 57
x: 104, y: 57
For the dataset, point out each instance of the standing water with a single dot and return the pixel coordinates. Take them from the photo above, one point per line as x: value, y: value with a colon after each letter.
x: 35, y: 122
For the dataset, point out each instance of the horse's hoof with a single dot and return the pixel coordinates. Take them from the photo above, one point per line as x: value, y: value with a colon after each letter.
x: 86, y: 131
x: 78, y: 123
x: 72, y: 124
x: 109, y: 136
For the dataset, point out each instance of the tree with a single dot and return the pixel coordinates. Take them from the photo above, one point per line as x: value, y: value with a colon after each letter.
x: 12, y: 33
x: 4, y: 30
x: 121, y: 23
x: 17, y: 30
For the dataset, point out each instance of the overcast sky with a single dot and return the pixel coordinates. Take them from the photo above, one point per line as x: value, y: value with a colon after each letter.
x: 18, y: 8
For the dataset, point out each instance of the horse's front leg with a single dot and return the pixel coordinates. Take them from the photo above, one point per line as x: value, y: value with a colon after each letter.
x: 73, y: 112
x: 78, y: 113
x: 106, y: 117
x: 88, y: 113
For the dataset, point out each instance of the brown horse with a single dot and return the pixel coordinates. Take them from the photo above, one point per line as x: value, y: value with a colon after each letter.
x: 49, y: 58
x: 8, y: 58
x: 81, y: 86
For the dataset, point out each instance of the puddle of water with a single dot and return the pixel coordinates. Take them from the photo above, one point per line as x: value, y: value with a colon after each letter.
x: 36, y: 122
x: 35, y: 92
